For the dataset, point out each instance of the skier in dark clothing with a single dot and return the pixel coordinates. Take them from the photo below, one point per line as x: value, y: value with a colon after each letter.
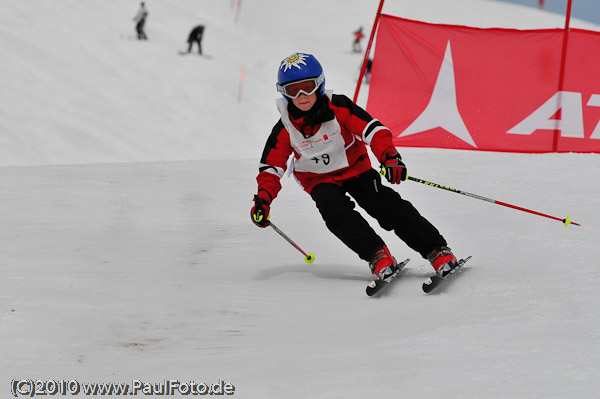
x: 196, y: 37
x: 368, y: 71
x: 140, y: 18
x: 328, y: 134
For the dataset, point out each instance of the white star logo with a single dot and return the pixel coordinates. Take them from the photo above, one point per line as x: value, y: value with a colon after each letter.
x: 442, y: 110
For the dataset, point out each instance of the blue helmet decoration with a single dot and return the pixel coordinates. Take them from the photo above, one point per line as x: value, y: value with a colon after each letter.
x: 300, y: 66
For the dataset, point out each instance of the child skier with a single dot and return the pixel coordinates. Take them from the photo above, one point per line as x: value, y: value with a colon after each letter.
x: 327, y: 135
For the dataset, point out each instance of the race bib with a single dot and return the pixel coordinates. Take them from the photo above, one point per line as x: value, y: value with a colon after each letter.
x: 324, y: 152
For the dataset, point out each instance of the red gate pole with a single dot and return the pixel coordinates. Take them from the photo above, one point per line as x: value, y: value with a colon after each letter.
x: 237, y: 11
x: 561, y: 78
x: 368, y: 50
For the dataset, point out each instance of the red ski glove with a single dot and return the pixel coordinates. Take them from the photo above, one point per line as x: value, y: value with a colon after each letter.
x: 393, y: 169
x: 260, y: 212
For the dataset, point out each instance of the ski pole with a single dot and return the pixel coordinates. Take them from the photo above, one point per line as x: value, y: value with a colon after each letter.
x: 308, y: 257
x: 567, y: 221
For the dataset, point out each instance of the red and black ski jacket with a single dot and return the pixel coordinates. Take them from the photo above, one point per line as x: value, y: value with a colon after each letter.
x: 358, y: 129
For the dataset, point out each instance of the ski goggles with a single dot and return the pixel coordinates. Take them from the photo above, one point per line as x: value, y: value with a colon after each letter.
x: 306, y: 87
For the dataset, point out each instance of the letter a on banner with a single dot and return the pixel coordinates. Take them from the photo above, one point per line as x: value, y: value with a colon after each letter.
x: 570, y: 124
x: 595, y: 102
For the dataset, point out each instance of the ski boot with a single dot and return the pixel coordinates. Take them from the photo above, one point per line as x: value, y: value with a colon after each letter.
x: 382, y: 264
x: 443, y: 261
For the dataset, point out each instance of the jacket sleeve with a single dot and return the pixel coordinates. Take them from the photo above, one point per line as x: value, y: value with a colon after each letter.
x: 370, y: 130
x: 273, y: 163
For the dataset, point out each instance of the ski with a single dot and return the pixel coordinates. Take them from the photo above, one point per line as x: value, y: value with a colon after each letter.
x: 435, y: 281
x: 377, y: 285
x: 201, y: 55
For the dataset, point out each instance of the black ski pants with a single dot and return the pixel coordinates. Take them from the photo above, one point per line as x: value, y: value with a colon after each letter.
x: 139, y: 28
x: 383, y: 204
x: 198, y: 41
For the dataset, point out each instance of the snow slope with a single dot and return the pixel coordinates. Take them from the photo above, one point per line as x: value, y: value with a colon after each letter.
x: 78, y: 88
x: 128, y: 254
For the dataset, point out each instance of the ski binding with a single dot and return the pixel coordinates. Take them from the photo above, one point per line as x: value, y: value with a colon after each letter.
x: 377, y: 285
x: 433, y: 282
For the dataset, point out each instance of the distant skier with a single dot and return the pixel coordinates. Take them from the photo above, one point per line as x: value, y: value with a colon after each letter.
x: 196, y: 37
x: 541, y: 4
x: 358, y: 36
x: 327, y: 135
x: 368, y: 71
x: 140, y: 18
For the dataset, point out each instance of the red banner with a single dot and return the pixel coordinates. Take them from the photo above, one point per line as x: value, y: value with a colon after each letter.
x: 458, y: 87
